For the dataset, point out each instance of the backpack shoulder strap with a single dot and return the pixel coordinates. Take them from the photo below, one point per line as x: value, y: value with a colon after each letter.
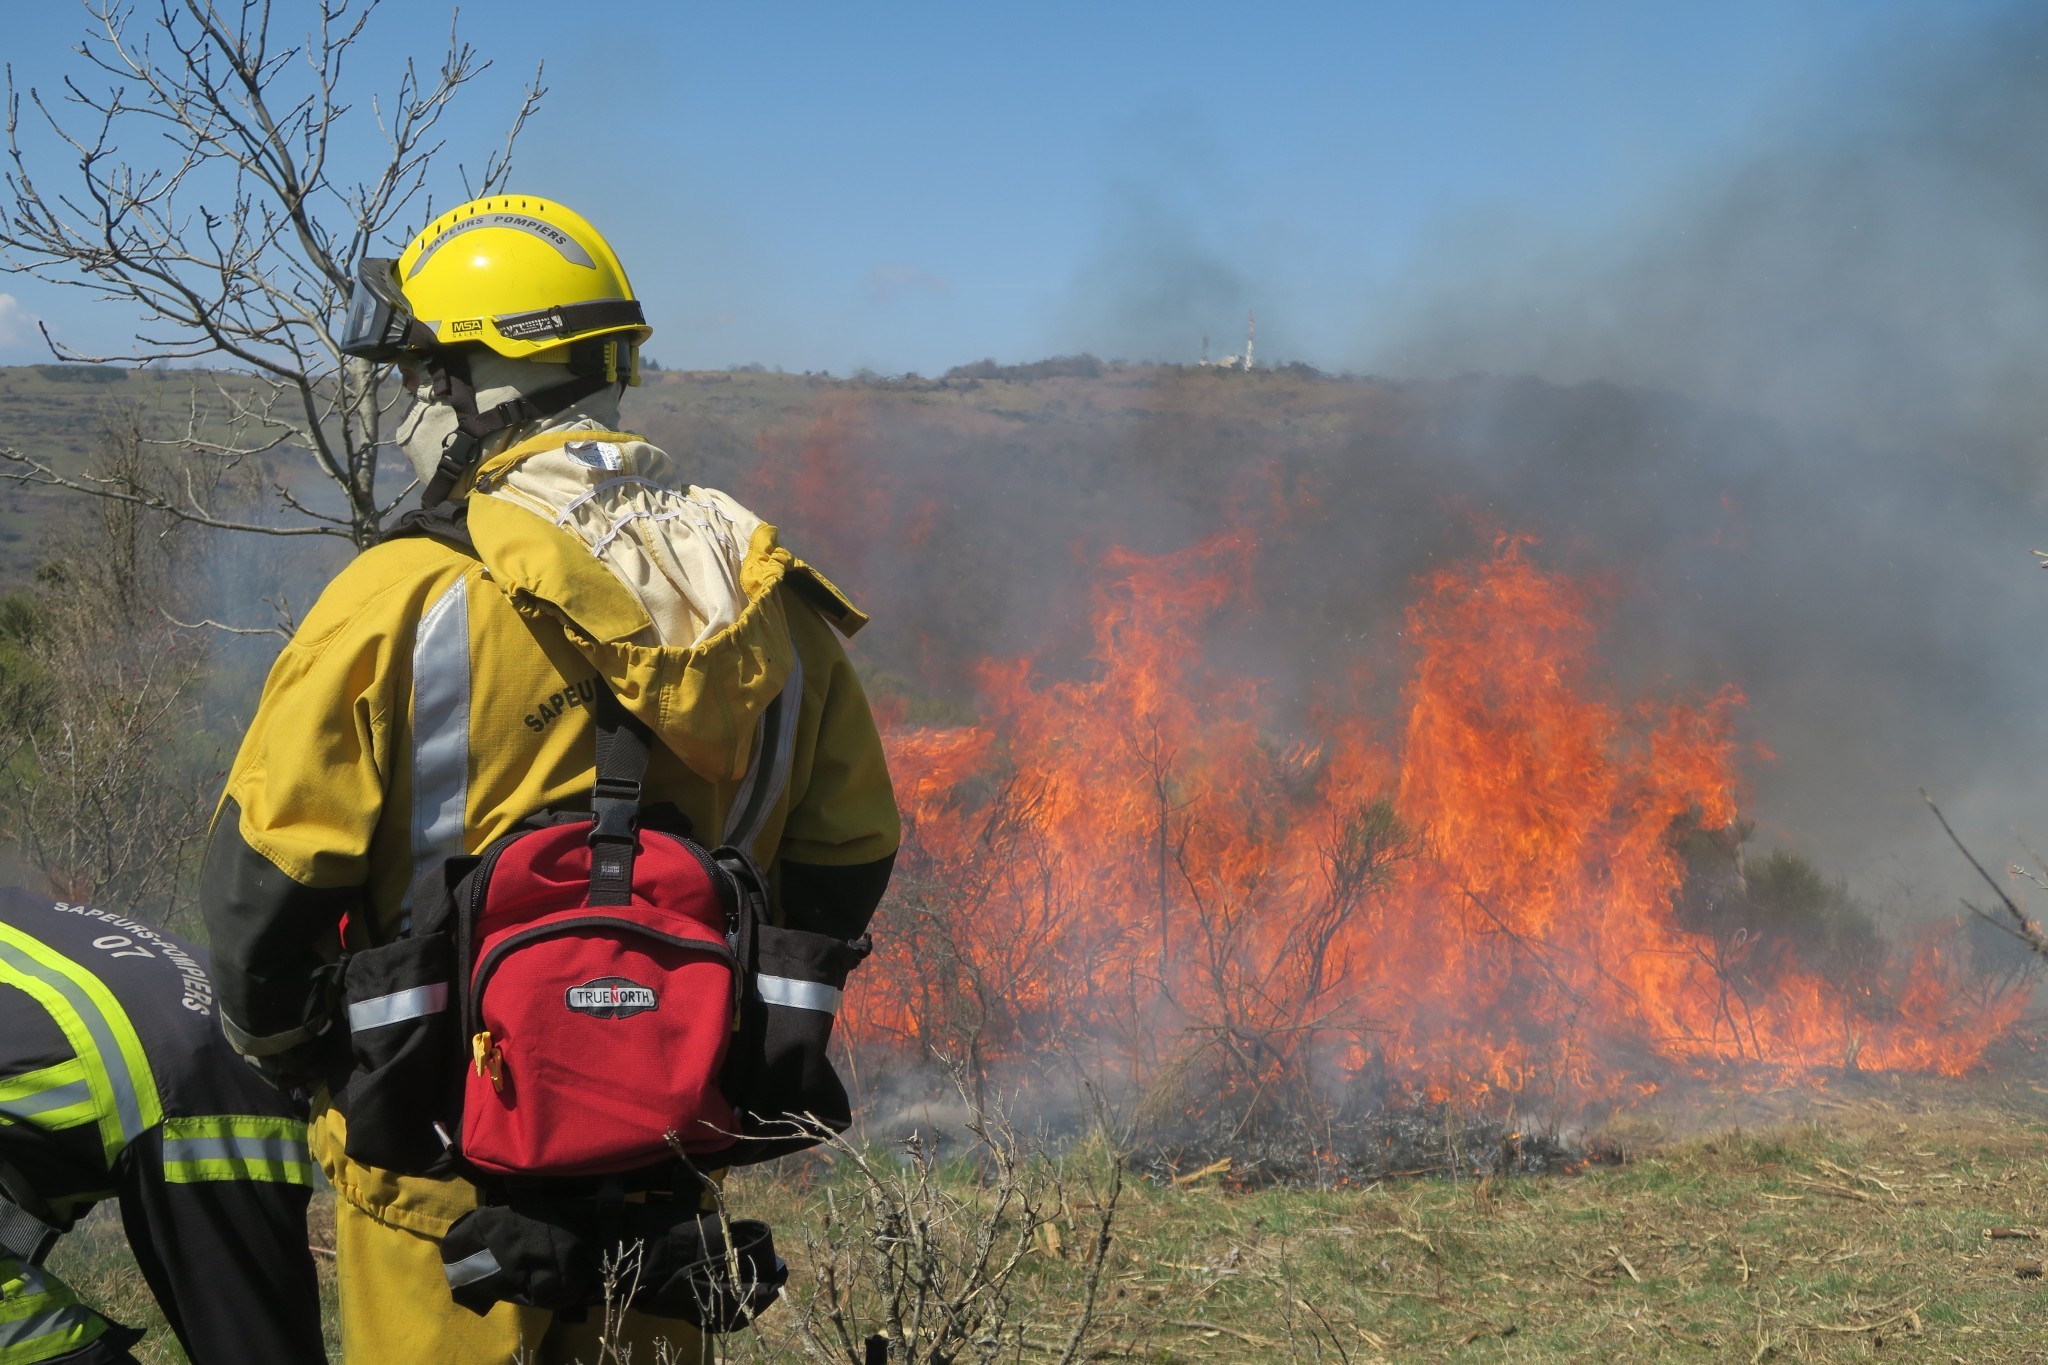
x: 447, y: 522
x: 624, y: 746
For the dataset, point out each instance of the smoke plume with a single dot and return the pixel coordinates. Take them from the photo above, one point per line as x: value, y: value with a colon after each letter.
x: 1824, y: 477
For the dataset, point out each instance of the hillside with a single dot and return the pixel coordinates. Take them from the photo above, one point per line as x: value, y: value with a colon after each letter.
x: 1861, y: 598
x: 1289, y: 526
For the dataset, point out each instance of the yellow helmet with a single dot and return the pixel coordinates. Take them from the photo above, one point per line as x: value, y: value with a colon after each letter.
x: 521, y: 275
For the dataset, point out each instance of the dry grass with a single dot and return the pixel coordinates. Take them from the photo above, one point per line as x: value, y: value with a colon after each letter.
x: 1863, y: 1230
x: 1844, y: 1237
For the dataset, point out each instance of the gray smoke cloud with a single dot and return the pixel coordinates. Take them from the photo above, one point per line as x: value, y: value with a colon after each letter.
x: 1872, y: 264
x: 1826, y: 478
x: 1163, y: 271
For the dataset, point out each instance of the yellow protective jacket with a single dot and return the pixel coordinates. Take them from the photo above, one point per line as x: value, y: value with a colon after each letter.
x: 433, y: 698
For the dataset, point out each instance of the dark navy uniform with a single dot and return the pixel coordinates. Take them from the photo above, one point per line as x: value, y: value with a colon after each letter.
x: 116, y: 1082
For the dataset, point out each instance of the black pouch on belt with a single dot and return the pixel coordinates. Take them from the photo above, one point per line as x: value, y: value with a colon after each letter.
x: 402, y: 1034
x: 779, y: 1073
x: 552, y: 1255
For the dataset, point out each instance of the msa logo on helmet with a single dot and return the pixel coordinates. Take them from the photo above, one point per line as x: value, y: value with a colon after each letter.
x: 466, y: 326
x: 611, y: 997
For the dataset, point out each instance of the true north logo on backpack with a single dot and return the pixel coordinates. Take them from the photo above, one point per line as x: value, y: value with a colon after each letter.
x: 611, y: 997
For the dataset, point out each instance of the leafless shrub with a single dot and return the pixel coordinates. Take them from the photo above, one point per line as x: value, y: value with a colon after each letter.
x: 1265, y: 985
x: 962, y: 985
x: 933, y: 1256
x: 104, y: 757
x: 235, y: 236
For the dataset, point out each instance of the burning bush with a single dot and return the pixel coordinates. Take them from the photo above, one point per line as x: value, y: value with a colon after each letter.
x: 1484, y: 903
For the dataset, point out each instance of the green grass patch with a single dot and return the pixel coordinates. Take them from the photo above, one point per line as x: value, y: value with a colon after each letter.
x: 1860, y: 1237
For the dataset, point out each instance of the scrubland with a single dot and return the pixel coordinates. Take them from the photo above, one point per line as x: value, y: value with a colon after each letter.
x: 1902, y: 1223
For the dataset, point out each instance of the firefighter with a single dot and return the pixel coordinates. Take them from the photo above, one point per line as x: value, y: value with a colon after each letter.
x: 115, y: 1081
x: 440, y: 690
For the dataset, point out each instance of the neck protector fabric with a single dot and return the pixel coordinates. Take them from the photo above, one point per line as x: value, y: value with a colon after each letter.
x: 426, y: 430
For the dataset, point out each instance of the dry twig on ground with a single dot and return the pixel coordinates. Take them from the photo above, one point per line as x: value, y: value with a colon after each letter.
x: 933, y: 1255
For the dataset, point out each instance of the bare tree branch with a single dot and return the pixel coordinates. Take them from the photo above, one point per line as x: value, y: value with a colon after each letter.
x: 236, y: 241
x: 2015, y: 921
x: 120, y: 489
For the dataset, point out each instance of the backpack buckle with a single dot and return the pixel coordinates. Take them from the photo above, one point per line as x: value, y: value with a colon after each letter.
x: 614, y: 818
x: 612, y: 846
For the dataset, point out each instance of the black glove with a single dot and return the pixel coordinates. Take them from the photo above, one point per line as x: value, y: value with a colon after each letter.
x: 298, y: 1074
x: 299, y: 1061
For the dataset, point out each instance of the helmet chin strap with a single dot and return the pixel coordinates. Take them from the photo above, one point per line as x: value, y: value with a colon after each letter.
x: 449, y: 373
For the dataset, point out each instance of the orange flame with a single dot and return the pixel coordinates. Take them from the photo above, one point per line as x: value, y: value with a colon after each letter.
x: 1130, y: 866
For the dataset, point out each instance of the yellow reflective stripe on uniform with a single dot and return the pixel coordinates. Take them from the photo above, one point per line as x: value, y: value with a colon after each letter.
x: 236, y: 1147
x: 54, y: 1098
x: 40, y: 1318
x: 116, y: 1068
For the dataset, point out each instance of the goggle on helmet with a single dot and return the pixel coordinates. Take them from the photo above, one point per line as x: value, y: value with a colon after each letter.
x: 380, y: 325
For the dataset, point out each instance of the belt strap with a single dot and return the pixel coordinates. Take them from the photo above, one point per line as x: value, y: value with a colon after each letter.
x: 23, y: 1234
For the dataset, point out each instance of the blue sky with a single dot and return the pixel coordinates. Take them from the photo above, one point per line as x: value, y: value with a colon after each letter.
x: 911, y: 186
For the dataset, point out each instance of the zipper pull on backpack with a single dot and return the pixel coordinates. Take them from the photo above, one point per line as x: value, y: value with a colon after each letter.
x: 489, y: 1060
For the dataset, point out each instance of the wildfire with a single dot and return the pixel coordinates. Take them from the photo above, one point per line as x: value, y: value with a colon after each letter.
x: 1481, y: 900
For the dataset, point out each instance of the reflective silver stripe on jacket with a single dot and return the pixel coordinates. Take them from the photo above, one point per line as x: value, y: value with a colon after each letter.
x: 34, y: 1279
x: 793, y: 994
x: 26, y: 1107
x: 398, y: 1007
x: 58, y: 1326
x: 440, y: 728
x: 471, y: 1268
x: 769, y: 776
x: 235, y: 1147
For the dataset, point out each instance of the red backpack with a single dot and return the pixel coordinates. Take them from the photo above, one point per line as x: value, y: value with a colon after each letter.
x: 600, y: 964
x: 595, y: 994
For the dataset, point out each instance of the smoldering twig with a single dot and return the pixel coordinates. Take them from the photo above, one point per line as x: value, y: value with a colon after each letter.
x: 1536, y: 948
x: 2021, y: 928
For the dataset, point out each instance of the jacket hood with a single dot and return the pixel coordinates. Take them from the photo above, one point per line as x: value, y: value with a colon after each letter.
x: 668, y: 588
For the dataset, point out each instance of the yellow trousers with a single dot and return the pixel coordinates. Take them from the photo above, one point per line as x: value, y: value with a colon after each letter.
x: 395, y: 1310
